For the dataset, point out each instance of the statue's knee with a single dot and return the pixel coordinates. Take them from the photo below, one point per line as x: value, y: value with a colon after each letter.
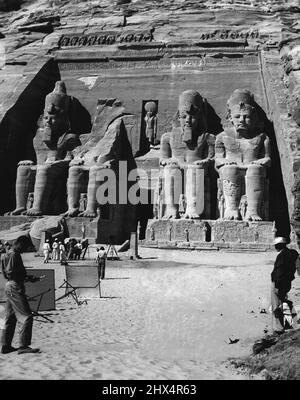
x: 43, y: 169
x: 255, y: 170
x: 24, y: 172
x: 74, y: 172
x: 229, y: 171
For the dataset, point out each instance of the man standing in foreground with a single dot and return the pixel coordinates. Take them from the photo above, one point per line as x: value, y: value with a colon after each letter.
x: 281, y: 277
x: 101, y: 260
x: 16, y: 307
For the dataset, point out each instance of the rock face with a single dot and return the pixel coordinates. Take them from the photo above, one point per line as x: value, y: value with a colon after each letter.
x: 151, y: 51
x: 9, y: 5
x: 52, y: 226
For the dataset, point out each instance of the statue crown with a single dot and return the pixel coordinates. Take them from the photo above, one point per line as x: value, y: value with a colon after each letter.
x: 243, y: 107
x: 190, y: 100
x: 60, y: 87
x: 150, y: 106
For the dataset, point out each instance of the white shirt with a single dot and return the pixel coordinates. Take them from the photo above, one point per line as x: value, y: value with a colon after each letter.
x: 101, y: 254
x: 46, y: 246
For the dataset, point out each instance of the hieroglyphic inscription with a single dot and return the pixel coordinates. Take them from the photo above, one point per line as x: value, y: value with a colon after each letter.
x: 229, y: 34
x: 104, y: 38
x: 113, y: 37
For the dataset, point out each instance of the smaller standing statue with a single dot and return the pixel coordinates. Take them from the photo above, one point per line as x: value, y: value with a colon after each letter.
x: 187, y: 235
x: 82, y: 202
x: 182, y: 205
x: 158, y: 200
x: 30, y: 200
x: 152, y: 234
x: 243, y: 206
x: 151, y: 122
x: 221, y: 203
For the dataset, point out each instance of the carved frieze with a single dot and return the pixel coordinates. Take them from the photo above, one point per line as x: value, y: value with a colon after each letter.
x: 104, y: 38
x: 115, y: 37
x: 224, y: 34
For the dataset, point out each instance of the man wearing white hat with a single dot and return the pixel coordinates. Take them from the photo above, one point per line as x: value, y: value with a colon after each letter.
x: 46, y: 250
x: 281, y: 277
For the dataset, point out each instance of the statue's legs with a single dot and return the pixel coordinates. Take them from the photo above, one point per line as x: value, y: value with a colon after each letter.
x: 255, y: 181
x: 172, y: 190
x: 194, y: 191
x: 75, y: 186
x: 45, y: 181
x: 24, y: 185
x: 232, y: 188
x: 93, y: 184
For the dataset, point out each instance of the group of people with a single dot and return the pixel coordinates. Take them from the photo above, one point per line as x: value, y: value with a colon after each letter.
x: 17, y: 308
x: 70, y: 249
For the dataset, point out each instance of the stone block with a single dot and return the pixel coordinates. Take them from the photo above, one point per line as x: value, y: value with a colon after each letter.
x: 203, y: 245
x: 221, y: 245
x: 77, y: 225
x: 7, y: 222
x: 167, y: 244
x: 152, y: 243
x: 242, y: 231
x: 184, y: 245
x: 176, y: 229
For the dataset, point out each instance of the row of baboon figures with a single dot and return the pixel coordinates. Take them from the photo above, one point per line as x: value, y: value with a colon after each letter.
x: 241, y: 156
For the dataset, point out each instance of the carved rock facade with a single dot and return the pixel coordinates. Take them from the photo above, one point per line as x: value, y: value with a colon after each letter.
x: 161, y: 50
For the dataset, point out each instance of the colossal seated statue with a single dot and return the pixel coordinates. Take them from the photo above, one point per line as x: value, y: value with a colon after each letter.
x: 53, y: 144
x: 106, y: 146
x: 65, y: 177
x: 186, y: 152
x: 242, y: 156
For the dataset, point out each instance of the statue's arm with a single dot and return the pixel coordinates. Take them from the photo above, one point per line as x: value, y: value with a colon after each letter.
x: 220, y: 151
x: 68, y: 142
x: 266, y: 159
x: 209, y: 152
x: 211, y: 141
x: 165, y: 149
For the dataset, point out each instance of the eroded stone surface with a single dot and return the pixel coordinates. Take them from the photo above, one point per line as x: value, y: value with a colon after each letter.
x: 192, y: 40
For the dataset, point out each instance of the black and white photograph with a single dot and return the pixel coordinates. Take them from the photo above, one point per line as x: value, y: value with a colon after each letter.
x: 150, y: 193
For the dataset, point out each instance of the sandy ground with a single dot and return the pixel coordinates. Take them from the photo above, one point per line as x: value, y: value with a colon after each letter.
x: 167, y: 316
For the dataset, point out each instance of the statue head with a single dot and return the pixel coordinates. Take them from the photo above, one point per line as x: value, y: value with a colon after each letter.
x: 242, y: 113
x: 151, y: 108
x: 56, y: 115
x: 191, y: 115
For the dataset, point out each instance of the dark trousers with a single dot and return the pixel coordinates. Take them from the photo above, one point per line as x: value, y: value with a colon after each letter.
x: 101, y: 265
x: 16, y: 309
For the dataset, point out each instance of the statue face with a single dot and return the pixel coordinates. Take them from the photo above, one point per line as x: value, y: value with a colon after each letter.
x: 55, y: 119
x: 243, y: 120
x: 189, y: 121
x: 150, y: 114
